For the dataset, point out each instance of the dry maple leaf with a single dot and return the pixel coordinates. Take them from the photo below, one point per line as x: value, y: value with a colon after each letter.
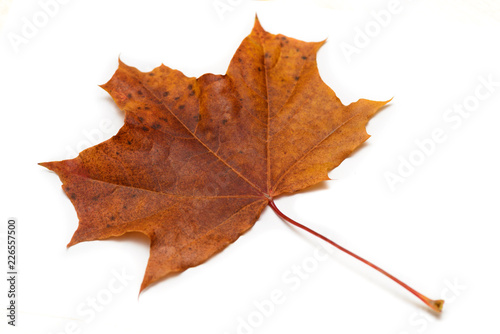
x: 198, y: 159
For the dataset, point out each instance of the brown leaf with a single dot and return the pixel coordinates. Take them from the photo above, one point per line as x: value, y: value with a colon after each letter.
x: 198, y: 159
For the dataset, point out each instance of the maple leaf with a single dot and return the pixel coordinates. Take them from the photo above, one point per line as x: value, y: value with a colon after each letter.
x: 198, y: 159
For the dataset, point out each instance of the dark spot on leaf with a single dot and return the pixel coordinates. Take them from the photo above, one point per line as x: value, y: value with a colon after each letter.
x: 151, y: 74
x: 181, y: 106
x: 178, y: 97
x: 112, y: 218
x: 124, y: 206
x: 304, y: 57
x: 164, y: 119
x: 73, y: 196
x: 129, y: 96
x: 240, y: 152
x: 165, y: 94
x: 224, y: 121
x: 139, y: 92
x: 156, y: 126
x: 297, y: 78
x: 141, y: 119
x: 190, y: 86
x: 259, y: 69
x: 147, y: 108
x: 108, y: 226
x: 95, y: 198
x: 129, y: 142
x: 191, y: 93
x: 267, y: 55
x: 145, y: 128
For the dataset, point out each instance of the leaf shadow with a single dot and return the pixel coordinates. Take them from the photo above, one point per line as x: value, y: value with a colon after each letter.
x: 143, y: 240
x: 108, y: 100
x: 135, y: 237
x: 316, y: 187
x: 367, y: 273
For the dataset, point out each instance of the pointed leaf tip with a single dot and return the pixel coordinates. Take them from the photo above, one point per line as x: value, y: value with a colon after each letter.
x: 257, y: 26
x: 48, y: 165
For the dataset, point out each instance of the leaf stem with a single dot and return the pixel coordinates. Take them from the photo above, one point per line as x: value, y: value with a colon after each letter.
x: 435, y: 305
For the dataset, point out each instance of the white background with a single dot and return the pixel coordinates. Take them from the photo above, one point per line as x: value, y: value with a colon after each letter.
x: 438, y: 230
